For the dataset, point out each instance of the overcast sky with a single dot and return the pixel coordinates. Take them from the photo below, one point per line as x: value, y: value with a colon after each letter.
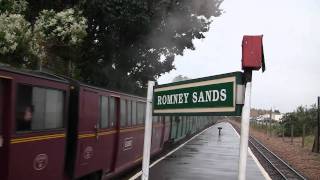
x: 291, y: 37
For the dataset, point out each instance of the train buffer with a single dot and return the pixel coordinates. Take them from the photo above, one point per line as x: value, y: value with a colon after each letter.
x: 208, y: 156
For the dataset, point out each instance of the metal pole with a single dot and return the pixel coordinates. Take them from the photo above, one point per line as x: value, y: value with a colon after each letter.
x: 147, y: 133
x: 245, y: 128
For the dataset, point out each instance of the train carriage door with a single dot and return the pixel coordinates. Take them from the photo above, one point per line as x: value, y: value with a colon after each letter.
x: 96, y: 132
x: 115, y: 124
x: 88, y: 133
x: 109, y: 130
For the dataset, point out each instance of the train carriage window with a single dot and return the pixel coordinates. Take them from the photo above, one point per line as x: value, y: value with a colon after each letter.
x: 167, y: 119
x: 54, y: 109
x: 156, y: 119
x: 143, y: 112
x: 113, y: 112
x: 104, y: 111
x: 129, y: 113
x: 134, y: 113
x: 39, y: 108
x: 140, y: 113
x: 123, y: 104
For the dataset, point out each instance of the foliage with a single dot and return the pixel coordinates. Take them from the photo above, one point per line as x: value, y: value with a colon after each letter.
x: 126, y: 43
x: 180, y: 78
x: 60, y: 36
x: 54, y: 38
x: 13, y: 6
x: 14, y: 31
x: 130, y: 42
x: 16, y: 44
x: 67, y: 27
x: 302, y: 115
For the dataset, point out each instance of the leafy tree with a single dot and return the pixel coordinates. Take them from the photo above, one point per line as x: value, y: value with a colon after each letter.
x: 13, y: 6
x: 52, y: 38
x: 128, y: 42
x: 60, y: 35
x: 301, y: 116
x: 132, y: 41
x: 180, y: 78
x: 16, y: 43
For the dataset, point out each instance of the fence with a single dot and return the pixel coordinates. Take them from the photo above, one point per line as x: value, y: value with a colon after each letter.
x: 300, y: 135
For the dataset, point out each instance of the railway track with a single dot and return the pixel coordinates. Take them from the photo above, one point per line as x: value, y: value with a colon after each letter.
x: 275, y: 166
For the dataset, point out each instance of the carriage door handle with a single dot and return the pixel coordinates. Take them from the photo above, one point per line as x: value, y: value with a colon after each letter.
x: 96, y: 128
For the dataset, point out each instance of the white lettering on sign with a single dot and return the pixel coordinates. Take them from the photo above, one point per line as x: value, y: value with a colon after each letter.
x: 223, y: 94
x: 128, y: 143
x: 40, y: 162
x: 197, y: 97
x: 173, y: 99
x: 209, y: 96
x: 185, y: 97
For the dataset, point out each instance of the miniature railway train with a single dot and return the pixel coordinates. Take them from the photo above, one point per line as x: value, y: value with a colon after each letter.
x: 55, y: 128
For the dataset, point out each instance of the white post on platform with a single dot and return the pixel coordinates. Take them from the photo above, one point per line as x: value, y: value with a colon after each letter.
x: 245, y: 128
x: 147, y: 133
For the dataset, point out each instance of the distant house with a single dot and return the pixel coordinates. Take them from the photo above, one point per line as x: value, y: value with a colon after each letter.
x: 277, y: 117
x: 264, y: 115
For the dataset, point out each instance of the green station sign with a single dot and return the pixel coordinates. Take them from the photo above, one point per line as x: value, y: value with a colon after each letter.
x: 214, y: 95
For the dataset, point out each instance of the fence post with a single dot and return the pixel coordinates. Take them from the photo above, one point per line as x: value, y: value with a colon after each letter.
x: 282, y: 128
x: 303, y: 133
x: 271, y: 129
x: 266, y: 127
x: 270, y: 120
x: 291, y: 133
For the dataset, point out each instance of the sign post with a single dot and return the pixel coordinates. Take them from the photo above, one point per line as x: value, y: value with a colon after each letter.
x: 252, y: 59
x: 147, y: 133
x: 245, y: 127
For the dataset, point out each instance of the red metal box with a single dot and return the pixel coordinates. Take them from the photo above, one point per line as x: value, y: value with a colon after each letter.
x: 252, y: 53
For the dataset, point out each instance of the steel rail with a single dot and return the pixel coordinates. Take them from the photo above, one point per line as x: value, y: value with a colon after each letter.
x: 267, y: 159
x: 277, y: 170
x: 284, y: 164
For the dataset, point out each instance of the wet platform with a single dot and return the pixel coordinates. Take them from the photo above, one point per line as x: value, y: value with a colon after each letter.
x: 207, y: 156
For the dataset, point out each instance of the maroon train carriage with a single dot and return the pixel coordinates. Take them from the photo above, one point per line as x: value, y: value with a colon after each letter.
x: 57, y: 129
x: 103, y: 133
x: 107, y: 131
